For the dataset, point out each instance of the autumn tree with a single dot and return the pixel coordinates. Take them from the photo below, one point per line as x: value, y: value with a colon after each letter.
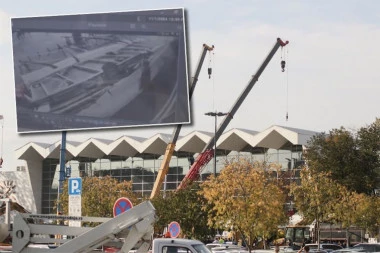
x: 366, y: 213
x: 185, y: 207
x: 319, y: 197
x: 246, y: 198
x: 99, y: 195
x: 351, y: 158
x: 356, y: 209
x: 344, y: 207
x: 316, y: 195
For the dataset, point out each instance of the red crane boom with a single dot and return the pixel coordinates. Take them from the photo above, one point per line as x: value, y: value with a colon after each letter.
x: 207, y: 154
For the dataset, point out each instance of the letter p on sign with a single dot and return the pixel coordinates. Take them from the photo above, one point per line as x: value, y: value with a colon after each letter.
x: 75, y: 186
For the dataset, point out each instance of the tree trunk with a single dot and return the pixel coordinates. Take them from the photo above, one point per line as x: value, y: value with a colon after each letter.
x: 318, y: 234
x: 264, y: 243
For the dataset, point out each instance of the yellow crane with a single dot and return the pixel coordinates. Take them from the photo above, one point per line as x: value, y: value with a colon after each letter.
x: 163, y: 171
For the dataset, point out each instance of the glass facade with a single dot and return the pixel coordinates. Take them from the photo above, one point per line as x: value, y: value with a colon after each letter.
x: 50, y: 183
x: 142, y: 171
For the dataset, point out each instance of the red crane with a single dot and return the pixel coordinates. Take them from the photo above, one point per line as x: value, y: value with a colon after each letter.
x: 207, y: 153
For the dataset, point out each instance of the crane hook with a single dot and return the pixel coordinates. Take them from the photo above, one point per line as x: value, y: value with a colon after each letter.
x: 209, y: 71
x: 283, y: 65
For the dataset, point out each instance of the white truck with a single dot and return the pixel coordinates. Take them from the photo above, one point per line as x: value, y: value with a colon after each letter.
x: 173, y: 245
x: 131, y: 230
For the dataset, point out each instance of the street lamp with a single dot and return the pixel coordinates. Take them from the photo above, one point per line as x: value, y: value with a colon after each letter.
x: 215, y: 115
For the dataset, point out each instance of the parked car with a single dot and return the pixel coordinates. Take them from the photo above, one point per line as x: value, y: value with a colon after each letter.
x: 324, y: 247
x: 227, y: 247
x: 348, y: 250
x: 368, y: 247
x: 212, y: 246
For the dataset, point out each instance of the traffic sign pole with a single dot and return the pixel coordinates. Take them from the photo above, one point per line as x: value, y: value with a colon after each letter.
x: 75, y: 200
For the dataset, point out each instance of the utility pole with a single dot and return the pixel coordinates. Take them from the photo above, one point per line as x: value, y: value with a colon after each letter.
x: 62, y: 163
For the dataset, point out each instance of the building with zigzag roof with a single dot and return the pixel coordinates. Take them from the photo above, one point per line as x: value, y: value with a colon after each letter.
x: 138, y: 159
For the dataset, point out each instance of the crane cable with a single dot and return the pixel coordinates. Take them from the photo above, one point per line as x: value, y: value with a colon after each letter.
x: 287, y: 85
x: 209, y: 72
x: 284, y: 56
x: 211, y: 65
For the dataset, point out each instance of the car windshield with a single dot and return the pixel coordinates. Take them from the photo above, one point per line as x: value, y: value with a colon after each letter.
x: 201, y: 248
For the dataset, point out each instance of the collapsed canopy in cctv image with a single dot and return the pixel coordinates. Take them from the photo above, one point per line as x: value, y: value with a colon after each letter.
x: 100, y: 70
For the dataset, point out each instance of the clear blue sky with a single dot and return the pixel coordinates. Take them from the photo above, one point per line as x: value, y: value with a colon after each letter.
x: 333, y: 57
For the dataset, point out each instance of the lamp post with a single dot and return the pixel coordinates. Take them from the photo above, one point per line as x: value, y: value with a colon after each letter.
x: 215, y: 115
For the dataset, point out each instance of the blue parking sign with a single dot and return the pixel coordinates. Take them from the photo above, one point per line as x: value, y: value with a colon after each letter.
x: 75, y: 186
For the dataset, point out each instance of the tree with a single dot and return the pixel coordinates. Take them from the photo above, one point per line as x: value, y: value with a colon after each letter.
x: 367, y: 209
x: 368, y: 140
x: 350, y: 158
x: 185, y: 207
x: 313, y: 197
x: 245, y: 198
x: 163, y: 211
x: 344, y: 207
x: 316, y: 195
x: 99, y: 195
x: 319, y: 198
